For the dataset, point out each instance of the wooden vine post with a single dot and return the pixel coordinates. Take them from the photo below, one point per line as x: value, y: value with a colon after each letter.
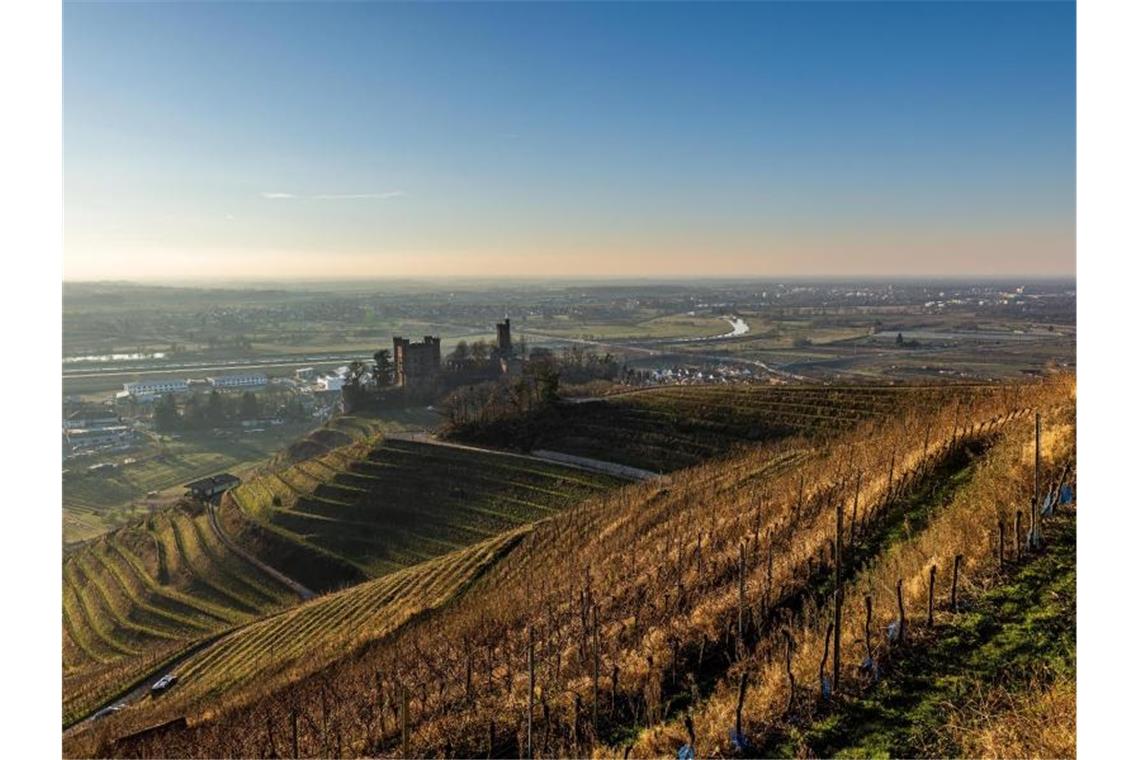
x: 789, y: 645
x: 838, y: 593
x: 855, y: 506
x: 293, y: 722
x: 823, y: 692
x: 740, y: 606
x: 930, y: 597
x: 954, y: 584
x: 597, y: 668
x: 902, y: 611
x: 1034, y: 520
x: 740, y: 705
x: 867, y: 627
x: 768, y: 577
x: 891, y: 478
x: 1001, y: 543
x: 1017, y: 537
x: 530, y: 692
x: 404, y: 721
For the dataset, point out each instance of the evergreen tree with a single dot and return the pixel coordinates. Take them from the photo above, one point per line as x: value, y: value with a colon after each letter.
x: 166, y: 417
x: 249, y: 409
x: 383, y: 370
x: 215, y: 409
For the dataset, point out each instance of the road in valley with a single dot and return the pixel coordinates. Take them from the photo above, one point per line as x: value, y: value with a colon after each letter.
x: 303, y: 592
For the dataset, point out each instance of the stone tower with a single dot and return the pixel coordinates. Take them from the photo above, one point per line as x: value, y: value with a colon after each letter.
x: 503, y: 329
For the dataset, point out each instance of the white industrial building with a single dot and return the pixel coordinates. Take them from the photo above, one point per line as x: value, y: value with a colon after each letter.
x: 330, y: 383
x: 254, y: 380
x: 92, y: 419
x: 80, y: 439
x: 144, y: 389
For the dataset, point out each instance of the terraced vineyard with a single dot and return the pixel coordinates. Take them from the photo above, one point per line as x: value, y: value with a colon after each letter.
x: 141, y: 595
x: 670, y: 428
x: 649, y: 605
x: 388, y: 504
x: 304, y: 638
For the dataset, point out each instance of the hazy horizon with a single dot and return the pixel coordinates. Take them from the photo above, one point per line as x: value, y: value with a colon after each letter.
x: 224, y: 142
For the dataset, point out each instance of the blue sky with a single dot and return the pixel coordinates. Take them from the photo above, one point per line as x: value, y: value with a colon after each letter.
x: 331, y: 139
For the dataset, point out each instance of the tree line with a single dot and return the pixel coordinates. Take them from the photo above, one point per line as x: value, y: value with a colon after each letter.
x: 219, y: 410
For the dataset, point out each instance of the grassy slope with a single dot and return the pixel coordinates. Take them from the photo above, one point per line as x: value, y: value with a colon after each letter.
x: 370, y: 509
x: 1017, y: 635
x: 669, y: 428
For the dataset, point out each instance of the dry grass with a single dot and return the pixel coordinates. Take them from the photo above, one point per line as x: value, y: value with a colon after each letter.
x: 1038, y: 723
x: 967, y: 525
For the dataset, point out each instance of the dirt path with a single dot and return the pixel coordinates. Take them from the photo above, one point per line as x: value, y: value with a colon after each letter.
x: 567, y: 460
x: 303, y: 592
x: 597, y: 465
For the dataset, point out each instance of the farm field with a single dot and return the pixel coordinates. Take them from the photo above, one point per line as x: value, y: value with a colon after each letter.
x: 648, y: 605
x: 669, y: 428
x: 383, y: 505
x: 646, y: 326
x: 94, y: 502
x: 143, y: 594
x: 862, y: 346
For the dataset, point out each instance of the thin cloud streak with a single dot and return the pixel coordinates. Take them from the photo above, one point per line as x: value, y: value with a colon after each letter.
x: 335, y: 196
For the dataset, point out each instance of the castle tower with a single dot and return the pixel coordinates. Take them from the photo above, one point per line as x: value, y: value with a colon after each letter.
x: 417, y: 364
x: 503, y: 329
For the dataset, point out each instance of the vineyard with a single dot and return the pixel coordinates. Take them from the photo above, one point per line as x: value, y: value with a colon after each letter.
x: 670, y: 428
x: 302, y: 639
x: 377, y: 507
x: 820, y: 598
x: 142, y: 595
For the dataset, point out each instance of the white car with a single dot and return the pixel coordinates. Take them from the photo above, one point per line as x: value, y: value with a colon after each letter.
x: 163, y: 684
x: 109, y: 710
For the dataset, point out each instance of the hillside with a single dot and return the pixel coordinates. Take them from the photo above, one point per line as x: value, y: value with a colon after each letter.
x: 144, y: 594
x: 302, y: 639
x: 378, y: 506
x: 673, y: 427
x: 151, y: 592
x: 638, y: 614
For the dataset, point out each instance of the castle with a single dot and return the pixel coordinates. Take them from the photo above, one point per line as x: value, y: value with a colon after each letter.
x: 417, y: 364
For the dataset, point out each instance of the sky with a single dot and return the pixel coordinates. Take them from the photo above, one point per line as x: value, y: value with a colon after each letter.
x: 342, y: 140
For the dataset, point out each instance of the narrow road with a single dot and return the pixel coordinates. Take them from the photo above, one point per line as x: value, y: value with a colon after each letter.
x: 216, y: 366
x: 141, y: 688
x: 303, y: 592
x: 551, y: 457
